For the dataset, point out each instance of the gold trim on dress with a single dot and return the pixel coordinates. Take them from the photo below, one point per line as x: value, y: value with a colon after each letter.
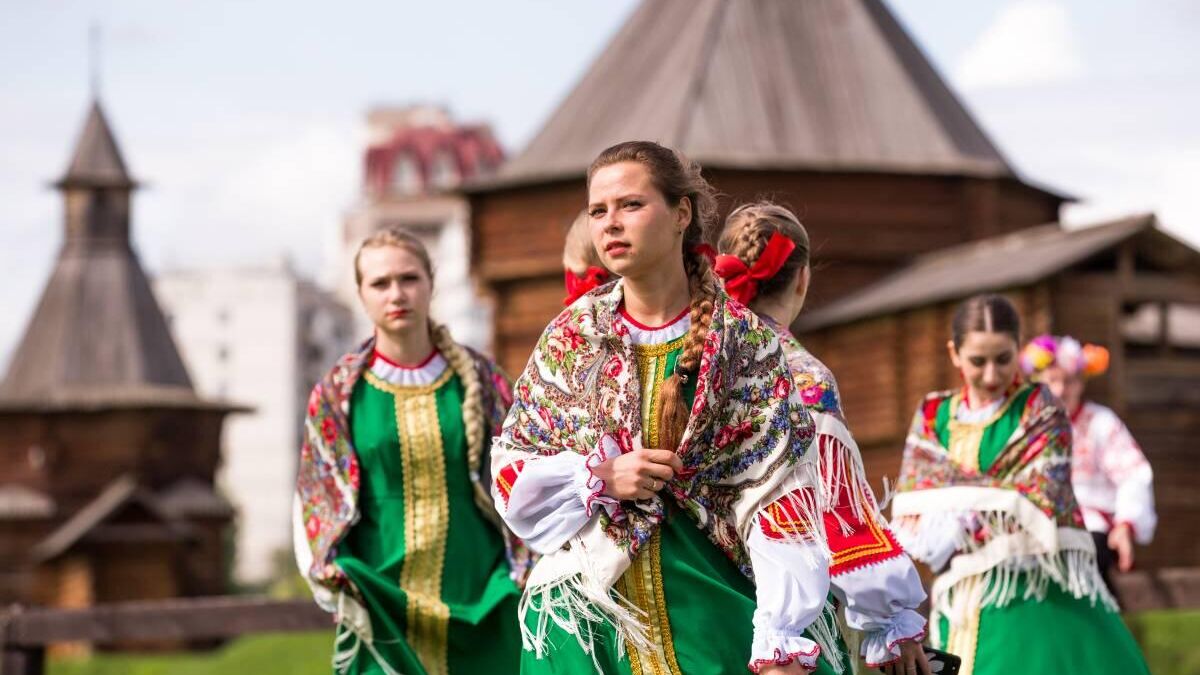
x: 964, y: 638
x: 966, y: 438
x: 642, y: 585
x: 409, y: 390
x: 426, y: 520
x: 652, y: 371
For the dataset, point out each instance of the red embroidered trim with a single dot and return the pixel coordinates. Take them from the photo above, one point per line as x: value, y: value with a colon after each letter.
x: 377, y: 356
x: 786, y: 522
x: 782, y: 659
x: 915, y: 638
x: 637, y: 324
x: 869, y: 543
x: 507, y: 478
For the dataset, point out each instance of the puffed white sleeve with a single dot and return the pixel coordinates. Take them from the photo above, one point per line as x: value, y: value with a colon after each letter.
x: 1125, y: 465
x: 546, y: 500
x: 792, y: 582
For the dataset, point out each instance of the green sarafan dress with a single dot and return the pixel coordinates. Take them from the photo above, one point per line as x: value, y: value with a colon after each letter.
x: 429, y: 568
x: 989, y: 489
x: 681, y: 584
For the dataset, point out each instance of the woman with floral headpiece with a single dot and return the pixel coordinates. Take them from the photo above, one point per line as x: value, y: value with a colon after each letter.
x: 395, y: 528
x: 764, y: 263
x: 1112, y: 479
x: 984, y: 498
x: 657, y: 454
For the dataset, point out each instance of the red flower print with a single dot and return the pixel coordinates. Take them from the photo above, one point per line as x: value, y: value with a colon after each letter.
x: 624, y: 440
x: 545, y: 415
x: 613, y: 367
x: 328, y: 429
x: 734, y: 433
x: 783, y: 385
x: 523, y: 390
x: 572, y: 337
x: 312, y: 526
x: 314, y: 401
x: 811, y: 395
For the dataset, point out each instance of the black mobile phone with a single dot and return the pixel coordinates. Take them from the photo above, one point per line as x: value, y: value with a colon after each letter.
x: 940, y: 662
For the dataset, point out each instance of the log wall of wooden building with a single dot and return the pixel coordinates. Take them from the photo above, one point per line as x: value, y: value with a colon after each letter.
x: 886, y: 362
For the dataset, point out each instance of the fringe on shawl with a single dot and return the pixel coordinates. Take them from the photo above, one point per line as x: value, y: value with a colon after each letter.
x: 352, y: 634
x: 575, y: 604
x: 1073, y: 570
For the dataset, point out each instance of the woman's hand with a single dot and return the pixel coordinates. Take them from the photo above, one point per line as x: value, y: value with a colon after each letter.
x: 793, y: 668
x: 1120, y: 539
x: 638, y: 474
x: 911, y: 662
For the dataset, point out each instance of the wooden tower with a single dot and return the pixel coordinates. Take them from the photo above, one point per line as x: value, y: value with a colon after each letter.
x: 107, y: 455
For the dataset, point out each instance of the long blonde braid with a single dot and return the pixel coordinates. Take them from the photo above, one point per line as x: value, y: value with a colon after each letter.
x: 473, y: 415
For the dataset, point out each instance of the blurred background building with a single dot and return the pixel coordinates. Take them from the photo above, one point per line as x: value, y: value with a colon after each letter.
x: 261, y: 335
x: 108, y: 453
x: 416, y: 159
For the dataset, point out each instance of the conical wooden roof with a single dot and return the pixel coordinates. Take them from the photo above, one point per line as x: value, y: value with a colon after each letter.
x: 98, y: 337
x: 770, y: 84
x: 97, y: 158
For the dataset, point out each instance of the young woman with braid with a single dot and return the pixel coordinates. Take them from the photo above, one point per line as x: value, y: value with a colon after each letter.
x: 984, y: 497
x: 657, y: 456
x: 764, y: 264
x: 395, y: 530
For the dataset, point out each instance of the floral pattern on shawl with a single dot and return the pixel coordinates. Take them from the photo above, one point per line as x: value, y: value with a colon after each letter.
x: 815, y: 382
x: 1036, y: 462
x: 747, y: 424
x: 327, y: 481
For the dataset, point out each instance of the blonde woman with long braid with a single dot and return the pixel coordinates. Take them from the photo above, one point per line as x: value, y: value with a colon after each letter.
x: 764, y: 263
x: 395, y: 530
x: 658, y: 456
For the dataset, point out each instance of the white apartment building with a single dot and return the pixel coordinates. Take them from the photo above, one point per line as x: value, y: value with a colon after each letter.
x: 260, y: 337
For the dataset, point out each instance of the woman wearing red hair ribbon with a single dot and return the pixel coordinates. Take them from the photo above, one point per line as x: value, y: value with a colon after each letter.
x: 1112, y: 479
x: 765, y: 266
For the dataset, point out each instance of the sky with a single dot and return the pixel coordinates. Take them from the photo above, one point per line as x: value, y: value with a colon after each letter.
x: 246, y: 119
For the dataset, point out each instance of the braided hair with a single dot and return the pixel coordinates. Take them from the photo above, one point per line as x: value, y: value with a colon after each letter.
x: 750, y: 227
x: 677, y: 178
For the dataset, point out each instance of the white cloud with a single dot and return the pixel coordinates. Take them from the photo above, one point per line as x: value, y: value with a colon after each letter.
x: 1031, y: 42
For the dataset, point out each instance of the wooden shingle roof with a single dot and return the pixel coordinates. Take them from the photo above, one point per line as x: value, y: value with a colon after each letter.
x: 764, y: 84
x: 995, y: 264
x: 97, y: 160
x: 97, y: 338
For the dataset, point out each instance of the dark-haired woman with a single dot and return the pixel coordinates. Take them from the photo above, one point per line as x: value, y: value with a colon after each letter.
x: 657, y: 455
x: 764, y: 262
x: 985, y: 499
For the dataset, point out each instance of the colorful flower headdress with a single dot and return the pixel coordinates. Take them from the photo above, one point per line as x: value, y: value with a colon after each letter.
x: 1065, y: 352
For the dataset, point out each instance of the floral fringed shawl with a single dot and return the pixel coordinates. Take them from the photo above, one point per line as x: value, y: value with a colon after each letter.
x: 1015, y: 519
x: 744, y: 448
x: 327, y: 481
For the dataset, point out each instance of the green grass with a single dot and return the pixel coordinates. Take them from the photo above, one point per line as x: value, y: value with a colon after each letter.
x: 281, y: 654
x: 1170, y: 640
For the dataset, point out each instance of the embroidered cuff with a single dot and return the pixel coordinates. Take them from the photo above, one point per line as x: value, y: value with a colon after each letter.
x: 881, y: 647
x: 591, y: 487
x: 780, y: 650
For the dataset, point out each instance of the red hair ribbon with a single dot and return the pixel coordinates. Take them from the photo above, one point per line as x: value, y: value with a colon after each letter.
x: 578, y: 285
x: 707, y: 251
x: 741, y: 282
